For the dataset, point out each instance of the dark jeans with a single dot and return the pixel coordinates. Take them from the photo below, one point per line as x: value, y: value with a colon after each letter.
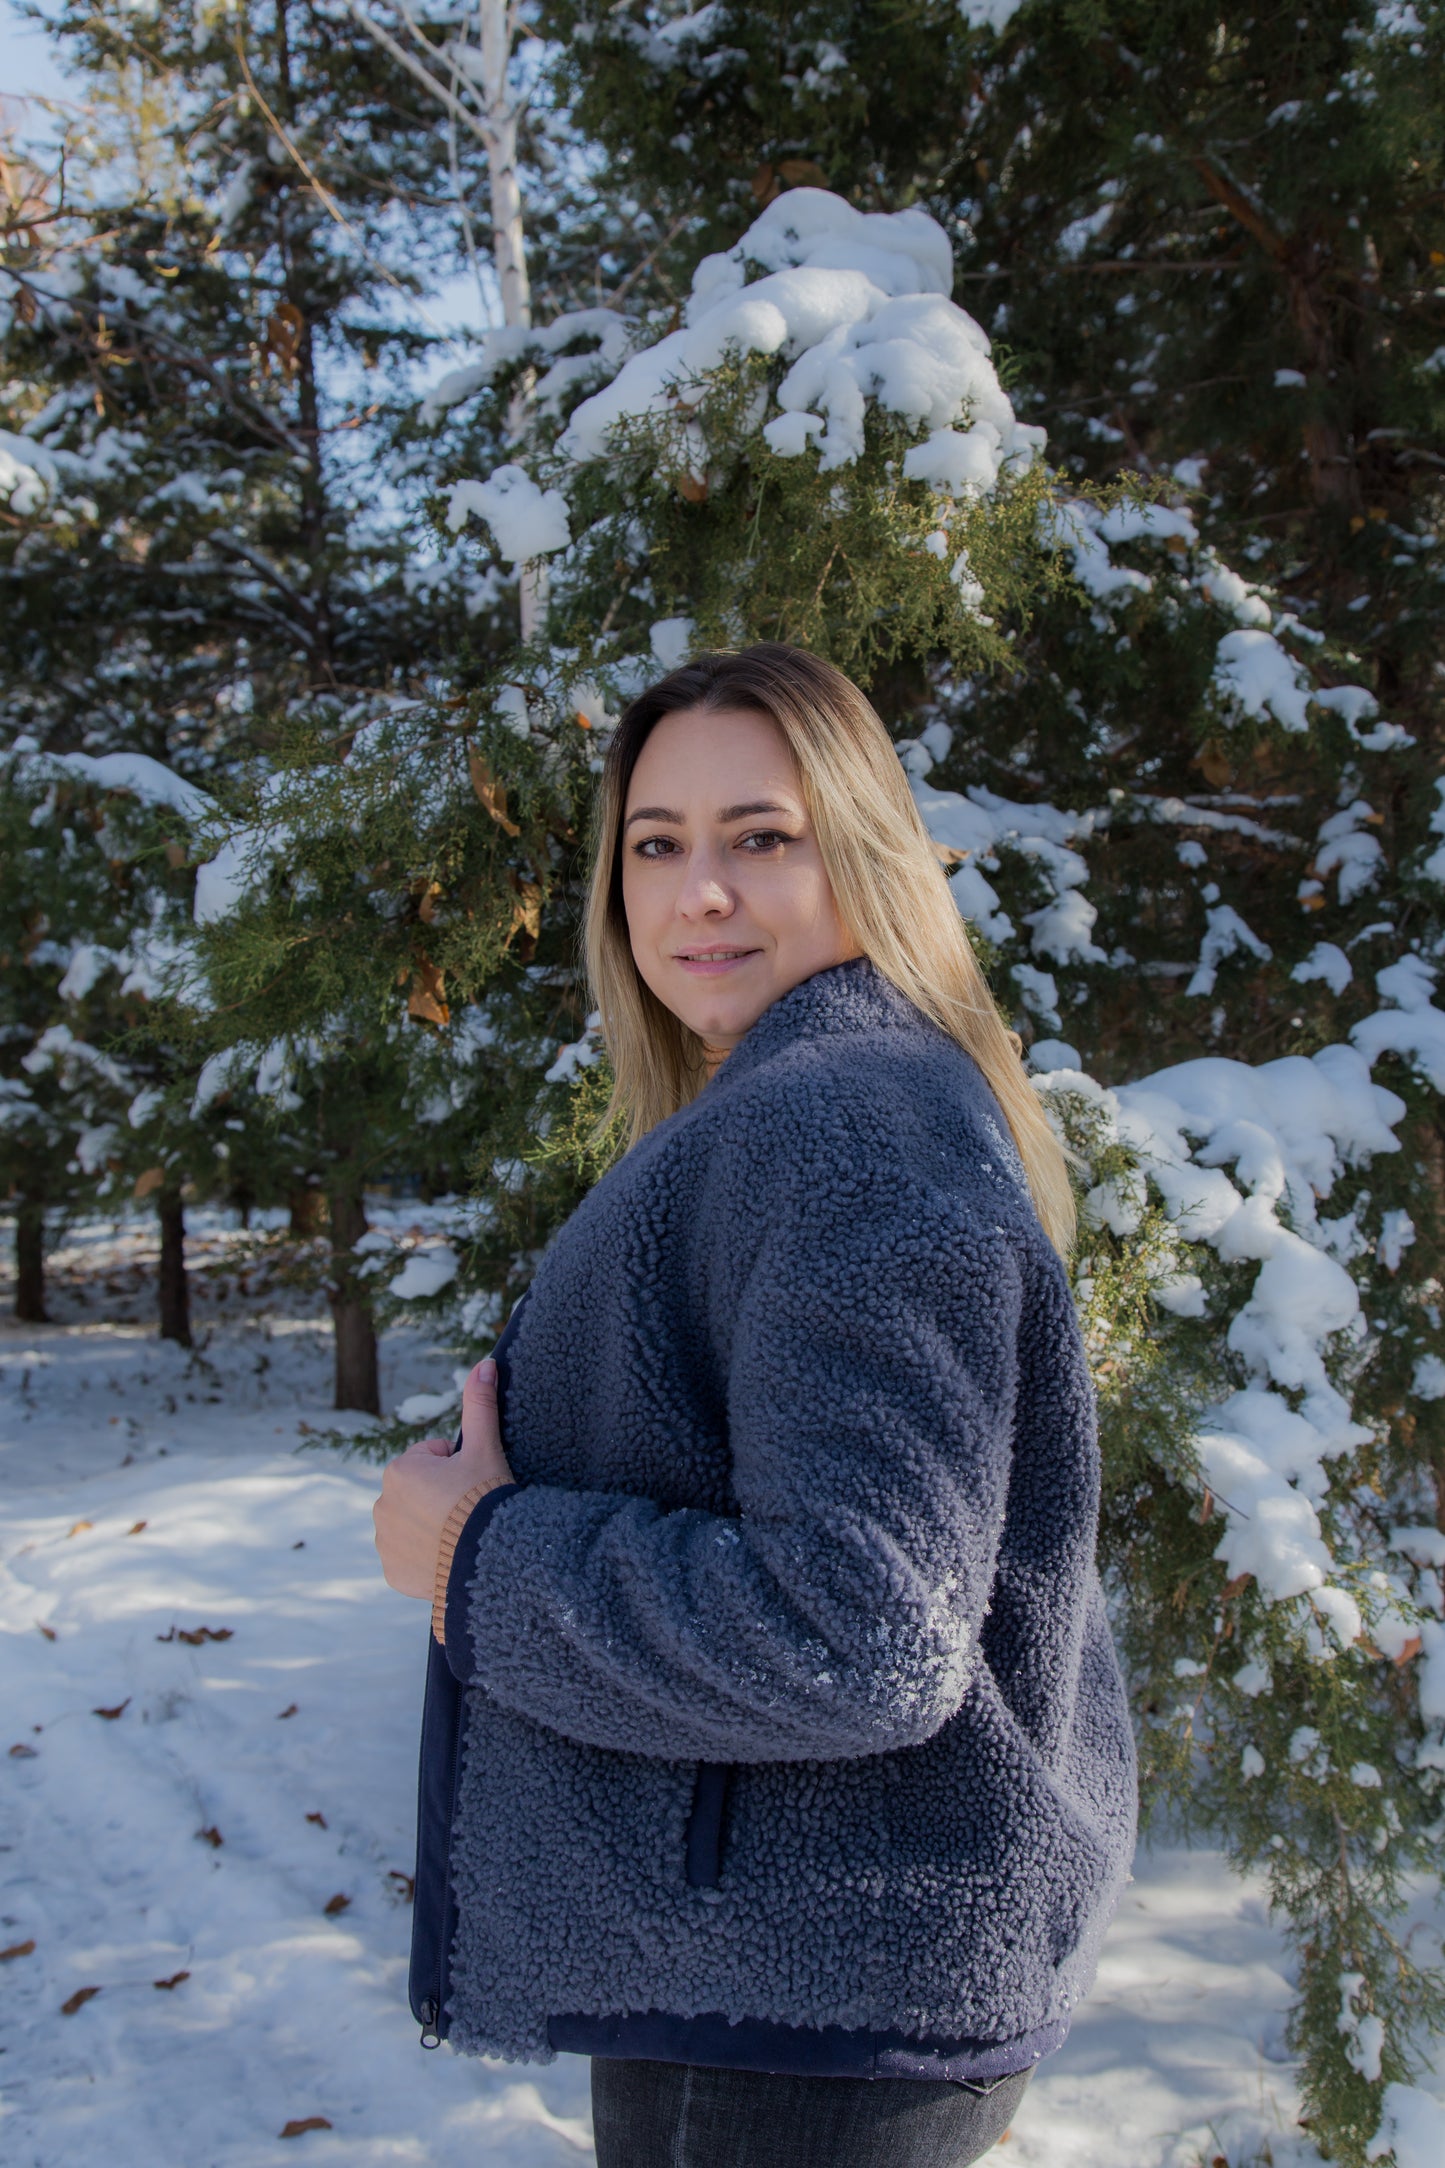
x: 681, y: 2115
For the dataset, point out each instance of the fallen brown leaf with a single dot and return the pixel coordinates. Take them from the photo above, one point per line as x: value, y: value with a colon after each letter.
x: 212, y: 1837
x: 79, y: 1526
x: 491, y: 792
x: 286, y: 1712
x: 335, y: 1904
x: 174, y: 1980
x: 74, y: 2002
x: 300, y: 2123
x: 17, y: 1949
x: 136, y: 1528
x: 426, y: 1001
x: 48, y: 1631
x: 318, y: 1819
x: 22, y: 1752
x: 406, y: 1883
x: 110, y: 1715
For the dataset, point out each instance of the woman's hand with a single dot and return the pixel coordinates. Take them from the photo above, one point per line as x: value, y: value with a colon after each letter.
x: 420, y: 1487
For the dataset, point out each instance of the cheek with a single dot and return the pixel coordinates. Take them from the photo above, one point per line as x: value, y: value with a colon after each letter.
x: 796, y: 888
x: 643, y: 899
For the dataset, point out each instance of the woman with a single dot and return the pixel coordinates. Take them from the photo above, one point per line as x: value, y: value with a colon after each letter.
x: 776, y: 1753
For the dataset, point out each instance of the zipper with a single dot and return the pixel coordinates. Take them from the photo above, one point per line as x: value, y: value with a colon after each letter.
x: 703, y: 1841
x: 443, y: 1699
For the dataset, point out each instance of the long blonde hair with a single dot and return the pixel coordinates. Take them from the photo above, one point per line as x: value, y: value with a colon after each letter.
x: 890, y: 888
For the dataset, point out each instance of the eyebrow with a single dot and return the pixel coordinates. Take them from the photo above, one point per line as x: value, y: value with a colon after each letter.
x: 724, y: 813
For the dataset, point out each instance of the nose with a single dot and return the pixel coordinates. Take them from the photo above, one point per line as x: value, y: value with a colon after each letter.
x: 704, y: 889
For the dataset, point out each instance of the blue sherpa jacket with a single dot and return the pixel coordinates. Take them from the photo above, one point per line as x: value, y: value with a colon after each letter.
x: 778, y: 1698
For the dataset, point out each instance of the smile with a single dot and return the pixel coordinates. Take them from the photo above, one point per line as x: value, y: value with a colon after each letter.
x: 714, y: 959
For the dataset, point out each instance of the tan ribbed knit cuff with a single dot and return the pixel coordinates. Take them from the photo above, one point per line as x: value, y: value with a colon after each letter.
x: 455, y: 1522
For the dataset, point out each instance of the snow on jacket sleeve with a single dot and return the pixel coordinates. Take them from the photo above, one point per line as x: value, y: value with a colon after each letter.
x: 871, y: 1384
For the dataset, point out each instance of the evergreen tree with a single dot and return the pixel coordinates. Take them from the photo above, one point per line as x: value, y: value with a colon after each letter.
x: 205, y: 366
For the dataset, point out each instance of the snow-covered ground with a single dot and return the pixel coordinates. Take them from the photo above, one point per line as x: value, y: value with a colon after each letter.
x: 212, y: 1834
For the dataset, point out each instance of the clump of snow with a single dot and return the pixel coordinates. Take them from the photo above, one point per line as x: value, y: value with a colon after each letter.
x: 1288, y: 1128
x: 425, y: 1273
x: 1413, y: 1027
x: 1434, y: 866
x: 27, y: 474
x: 426, y: 1407
x: 1364, y: 2033
x: 1347, y: 849
x: 671, y: 642
x: 1428, y: 1381
x: 1048, y: 1057
x: 136, y: 774
x: 1412, y: 2121
x: 88, y: 962
x: 1252, y: 669
x: 526, y: 522
x: 577, y: 1053
x: 1328, y: 962
x: 858, y: 303
x: 978, y: 823
x: 992, y: 15
x: 515, y: 342
x: 1226, y: 935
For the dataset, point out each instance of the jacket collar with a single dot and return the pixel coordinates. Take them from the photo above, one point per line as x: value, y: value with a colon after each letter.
x: 842, y: 999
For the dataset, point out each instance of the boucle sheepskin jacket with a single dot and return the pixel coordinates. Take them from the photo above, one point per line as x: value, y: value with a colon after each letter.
x: 806, y: 1491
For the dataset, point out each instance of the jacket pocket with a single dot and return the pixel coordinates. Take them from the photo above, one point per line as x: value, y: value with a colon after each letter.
x: 703, y: 1843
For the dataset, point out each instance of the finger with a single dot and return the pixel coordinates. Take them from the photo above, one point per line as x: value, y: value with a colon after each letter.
x: 440, y: 1446
x: 481, y: 1429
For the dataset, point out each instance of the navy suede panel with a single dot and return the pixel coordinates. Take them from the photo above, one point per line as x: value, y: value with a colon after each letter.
x: 807, y: 1490
x: 798, y: 2051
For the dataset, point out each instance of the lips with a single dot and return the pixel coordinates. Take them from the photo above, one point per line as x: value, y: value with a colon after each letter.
x: 712, y: 956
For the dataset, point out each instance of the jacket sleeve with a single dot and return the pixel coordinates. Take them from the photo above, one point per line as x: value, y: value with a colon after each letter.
x: 870, y: 1394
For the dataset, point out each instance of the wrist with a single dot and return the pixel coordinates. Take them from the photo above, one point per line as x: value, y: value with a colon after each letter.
x: 452, y: 1528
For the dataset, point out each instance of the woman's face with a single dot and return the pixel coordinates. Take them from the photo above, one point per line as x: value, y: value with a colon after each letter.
x: 719, y: 855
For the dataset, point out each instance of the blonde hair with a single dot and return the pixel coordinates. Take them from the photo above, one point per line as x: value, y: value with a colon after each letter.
x: 890, y: 888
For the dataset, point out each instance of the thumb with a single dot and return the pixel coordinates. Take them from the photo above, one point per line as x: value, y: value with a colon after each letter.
x: 481, y: 1429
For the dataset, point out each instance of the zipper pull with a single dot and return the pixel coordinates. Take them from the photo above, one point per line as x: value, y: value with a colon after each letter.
x: 430, y: 2037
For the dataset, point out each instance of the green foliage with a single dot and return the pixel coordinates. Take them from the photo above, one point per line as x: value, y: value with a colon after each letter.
x: 762, y: 547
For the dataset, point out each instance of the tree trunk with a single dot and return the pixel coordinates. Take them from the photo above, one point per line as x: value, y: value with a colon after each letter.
x: 308, y: 1212
x: 30, y: 1262
x: 355, y: 1332
x: 175, y: 1290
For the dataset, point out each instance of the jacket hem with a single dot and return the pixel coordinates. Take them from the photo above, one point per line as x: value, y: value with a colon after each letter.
x: 800, y: 2050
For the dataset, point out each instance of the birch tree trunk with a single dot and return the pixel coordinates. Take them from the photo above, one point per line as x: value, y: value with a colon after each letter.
x: 496, y: 33
x: 479, y: 96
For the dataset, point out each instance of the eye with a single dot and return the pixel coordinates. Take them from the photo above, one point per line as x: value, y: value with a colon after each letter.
x: 640, y: 850
x: 768, y: 836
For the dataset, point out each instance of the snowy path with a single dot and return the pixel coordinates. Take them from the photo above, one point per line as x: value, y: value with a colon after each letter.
x: 293, y: 1741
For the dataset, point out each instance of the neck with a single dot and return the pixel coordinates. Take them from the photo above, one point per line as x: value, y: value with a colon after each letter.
x: 714, y: 1056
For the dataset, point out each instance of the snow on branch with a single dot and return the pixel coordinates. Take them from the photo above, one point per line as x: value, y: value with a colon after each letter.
x: 858, y: 303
